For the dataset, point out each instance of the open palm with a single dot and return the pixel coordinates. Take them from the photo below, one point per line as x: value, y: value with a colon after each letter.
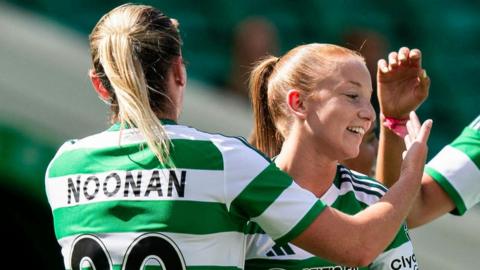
x: 402, y: 84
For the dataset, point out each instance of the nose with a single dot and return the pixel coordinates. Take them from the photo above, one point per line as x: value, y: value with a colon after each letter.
x: 368, y: 112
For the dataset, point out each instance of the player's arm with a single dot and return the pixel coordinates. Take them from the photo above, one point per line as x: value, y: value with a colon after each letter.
x: 348, y: 239
x: 402, y: 86
x: 389, y: 156
x: 289, y: 213
x: 451, y: 182
x: 431, y: 203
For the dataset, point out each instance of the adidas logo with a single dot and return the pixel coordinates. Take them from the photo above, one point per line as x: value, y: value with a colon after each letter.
x: 280, y: 250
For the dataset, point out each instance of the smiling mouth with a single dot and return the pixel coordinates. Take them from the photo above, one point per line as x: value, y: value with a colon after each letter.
x: 356, y: 130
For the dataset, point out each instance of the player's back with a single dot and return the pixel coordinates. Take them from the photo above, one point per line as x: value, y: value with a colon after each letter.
x: 115, y: 205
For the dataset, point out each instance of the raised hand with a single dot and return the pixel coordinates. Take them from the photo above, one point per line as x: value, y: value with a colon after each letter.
x: 402, y: 83
x: 416, y: 144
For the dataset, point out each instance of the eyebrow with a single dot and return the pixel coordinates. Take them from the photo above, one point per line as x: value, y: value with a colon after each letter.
x: 355, y: 83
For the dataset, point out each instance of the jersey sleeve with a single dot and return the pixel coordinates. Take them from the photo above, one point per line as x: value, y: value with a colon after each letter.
x: 64, y: 147
x: 256, y: 190
x: 456, y: 168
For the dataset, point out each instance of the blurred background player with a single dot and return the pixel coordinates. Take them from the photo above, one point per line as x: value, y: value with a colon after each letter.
x: 254, y: 38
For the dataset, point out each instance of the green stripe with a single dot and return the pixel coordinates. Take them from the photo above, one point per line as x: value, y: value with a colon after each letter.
x: 312, y: 214
x: 449, y: 189
x: 348, y: 203
x: 253, y: 228
x: 310, y: 263
x: 145, y: 216
x: 468, y: 143
x: 261, y: 192
x: 188, y: 154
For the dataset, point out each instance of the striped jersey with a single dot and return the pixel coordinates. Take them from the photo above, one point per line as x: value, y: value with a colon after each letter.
x: 456, y: 168
x: 350, y: 193
x: 115, y: 206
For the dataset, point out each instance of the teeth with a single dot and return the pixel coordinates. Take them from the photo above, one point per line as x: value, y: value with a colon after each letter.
x: 358, y: 130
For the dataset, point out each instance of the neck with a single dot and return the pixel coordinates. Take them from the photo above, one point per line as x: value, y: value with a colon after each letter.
x: 309, y: 168
x: 170, y: 116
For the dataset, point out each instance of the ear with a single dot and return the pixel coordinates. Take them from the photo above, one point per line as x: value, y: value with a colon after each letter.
x: 98, y: 86
x: 179, y: 72
x: 296, y: 103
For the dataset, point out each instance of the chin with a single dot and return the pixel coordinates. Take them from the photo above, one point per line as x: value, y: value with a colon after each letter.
x: 352, y: 154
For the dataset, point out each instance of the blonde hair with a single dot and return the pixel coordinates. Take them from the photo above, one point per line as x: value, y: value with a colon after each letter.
x: 302, y: 68
x: 132, y: 48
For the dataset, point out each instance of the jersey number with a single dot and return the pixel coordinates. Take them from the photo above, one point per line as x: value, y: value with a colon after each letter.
x: 89, y: 248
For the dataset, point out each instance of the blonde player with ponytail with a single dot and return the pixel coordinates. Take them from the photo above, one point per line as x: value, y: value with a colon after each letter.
x: 151, y: 192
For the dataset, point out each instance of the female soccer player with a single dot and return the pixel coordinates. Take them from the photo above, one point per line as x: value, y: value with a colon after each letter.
x: 149, y: 191
x: 312, y: 108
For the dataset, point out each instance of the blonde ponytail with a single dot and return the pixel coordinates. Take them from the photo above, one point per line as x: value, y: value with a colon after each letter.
x: 265, y: 136
x: 133, y: 48
x: 126, y: 77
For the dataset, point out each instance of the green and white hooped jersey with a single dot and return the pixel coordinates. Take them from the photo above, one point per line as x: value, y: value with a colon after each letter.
x: 350, y: 193
x: 456, y: 168
x: 116, y: 207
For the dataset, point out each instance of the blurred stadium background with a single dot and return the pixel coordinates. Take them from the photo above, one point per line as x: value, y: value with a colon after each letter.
x: 46, y: 98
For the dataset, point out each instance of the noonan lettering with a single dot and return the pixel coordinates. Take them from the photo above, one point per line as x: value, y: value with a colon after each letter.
x: 158, y: 183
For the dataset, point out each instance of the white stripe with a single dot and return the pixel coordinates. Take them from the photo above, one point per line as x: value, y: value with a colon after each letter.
x: 287, y: 211
x: 401, y: 257
x: 241, y: 165
x: 133, y: 136
x: 218, y: 249
x: 460, y: 171
x: 200, y: 185
x: 258, y: 245
x: 332, y: 194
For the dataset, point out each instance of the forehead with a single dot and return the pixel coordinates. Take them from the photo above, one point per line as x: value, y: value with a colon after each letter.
x: 354, y: 70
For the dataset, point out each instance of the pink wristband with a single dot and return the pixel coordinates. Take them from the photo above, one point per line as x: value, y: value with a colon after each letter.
x: 397, y: 126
